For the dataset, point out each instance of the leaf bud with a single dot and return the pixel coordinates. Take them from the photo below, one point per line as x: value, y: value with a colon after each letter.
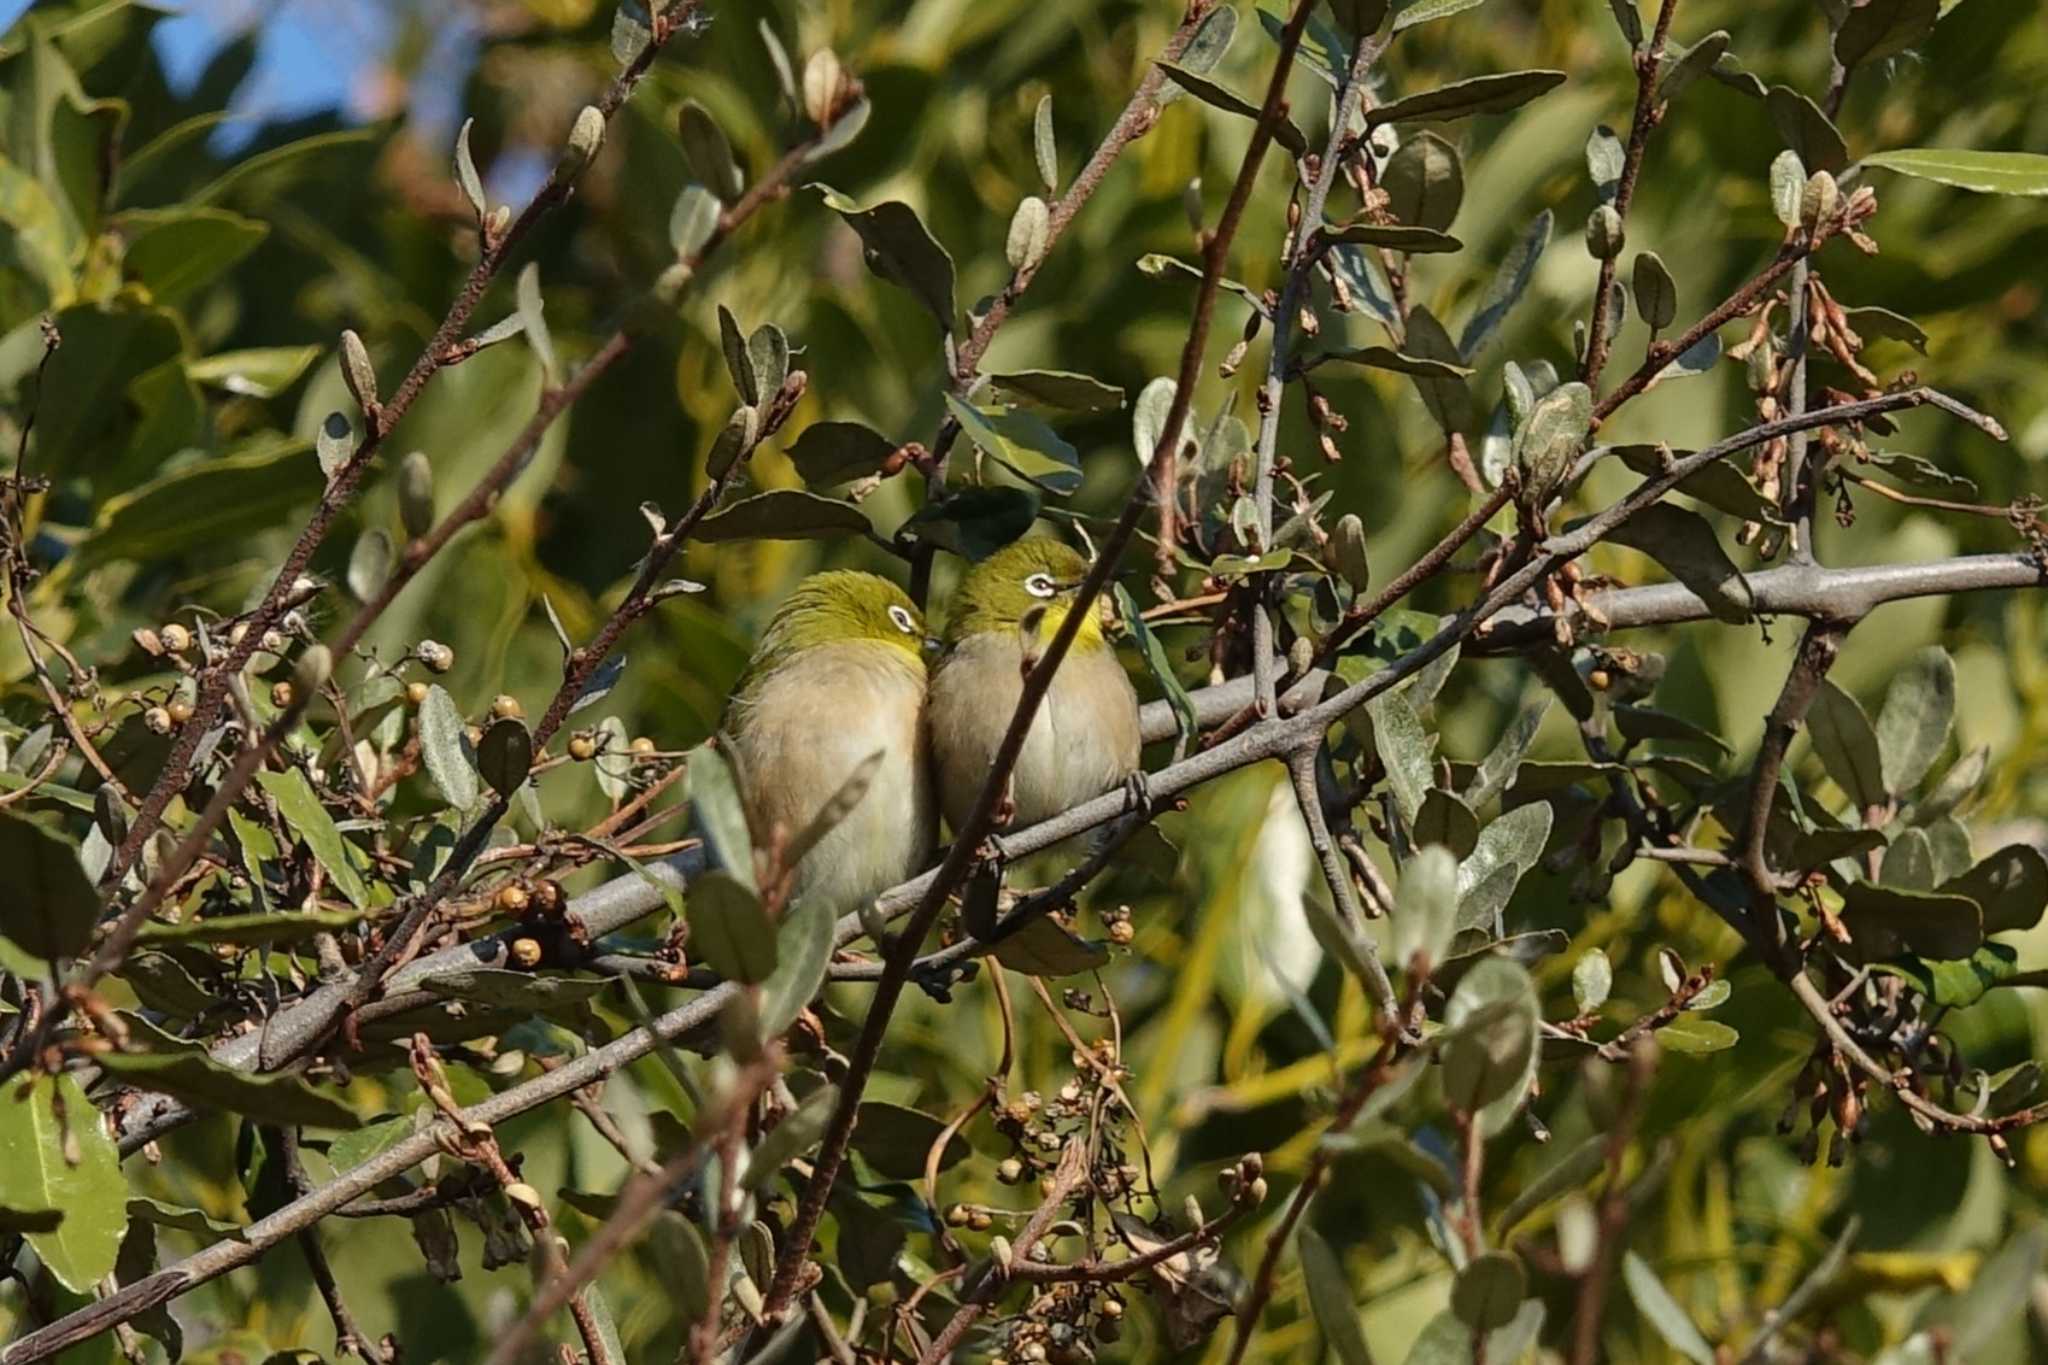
x: 357, y: 372
x: 1030, y: 228
x: 416, y: 494
x: 1819, y: 201
x: 586, y: 136
x: 822, y: 79
x: 1347, y: 552
x: 1604, y: 234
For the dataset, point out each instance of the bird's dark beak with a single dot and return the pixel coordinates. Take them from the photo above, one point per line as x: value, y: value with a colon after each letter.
x: 932, y: 645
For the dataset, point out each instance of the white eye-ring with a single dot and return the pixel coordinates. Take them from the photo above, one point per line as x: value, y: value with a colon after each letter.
x: 903, y: 619
x: 1040, y: 585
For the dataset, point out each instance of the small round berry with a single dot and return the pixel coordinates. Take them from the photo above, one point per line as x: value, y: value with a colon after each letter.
x: 512, y: 899
x: 416, y: 693
x: 1121, y: 933
x: 175, y: 637
x: 180, y: 709
x: 525, y: 953
x: 582, y: 748
x: 1010, y: 1171
x: 641, y: 748
x: 438, y: 657
x: 281, y: 695
x: 505, y: 706
x: 979, y: 1221
x: 157, y: 720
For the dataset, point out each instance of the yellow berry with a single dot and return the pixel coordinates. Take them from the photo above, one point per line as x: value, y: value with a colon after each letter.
x: 505, y: 706
x: 582, y: 748
x: 176, y: 638
x: 525, y: 953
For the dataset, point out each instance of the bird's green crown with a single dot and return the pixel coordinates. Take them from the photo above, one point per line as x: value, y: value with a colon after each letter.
x: 840, y: 607
x: 1036, y: 573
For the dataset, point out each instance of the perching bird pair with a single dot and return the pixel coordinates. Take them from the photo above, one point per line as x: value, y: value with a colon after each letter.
x: 840, y: 674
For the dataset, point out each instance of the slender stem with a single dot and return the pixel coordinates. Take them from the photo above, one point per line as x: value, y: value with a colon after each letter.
x: 1649, y: 62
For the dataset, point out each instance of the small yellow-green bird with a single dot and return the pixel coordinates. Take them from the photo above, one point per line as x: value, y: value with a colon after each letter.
x: 1084, y: 740
x: 838, y: 676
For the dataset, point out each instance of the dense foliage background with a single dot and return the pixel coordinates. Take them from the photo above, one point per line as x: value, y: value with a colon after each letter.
x: 200, y: 271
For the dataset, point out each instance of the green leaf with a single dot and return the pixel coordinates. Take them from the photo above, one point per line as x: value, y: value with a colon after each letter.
x: 1404, y: 749
x: 831, y: 453
x: 1488, y: 1292
x: 1044, y: 146
x: 353, y: 1148
x: 1022, y: 441
x: 1638, y: 723
x: 1960, y: 982
x: 1684, y: 65
x: 35, y: 1174
x: 533, y: 321
x: 1206, y: 49
x: 1919, y: 710
x: 1996, y: 1299
x: 41, y: 240
x: 1230, y: 102
x: 800, y: 1130
x: 1685, y: 544
x: 308, y: 819
x: 1510, y: 278
x: 1847, y: 745
x: 803, y: 953
x: 81, y: 413
x: 206, y: 1084
x: 1605, y: 160
x: 974, y: 522
x: 197, y: 1221
x: 2021, y: 173
x: 1497, y: 770
x: 1885, y: 921
x: 176, y: 252
x: 1807, y: 130
x: 259, y: 929
x: 1386, y: 358
x: 503, y: 988
x: 708, y: 151
x: 1547, y: 445
x: 1425, y: 182
x: 900, y: 250
x: 1871, y: 321
x: 1720, y: 485
x: 444, y: 750
x: 1158, y: 663
x: 1656, y: 292
x: 1395, y: 237
x: 49, y: 907
x: 894, y: 1139
x: 1592, y: 979
x: 692, y: 220
x: 1061, y: 390
x: 1426, y: 906
x: 782, y: 514
x: 1329, y: 1298
x: 1694, y: 1036
x: 1877, y: 29
x: 2011, y: 887
x: 1447, y: 821
x: 1507, y: 849
x: 1488, y: 1048
x: 1663, y: 1312
x: 717, y: 809
x: 1413, y: 12
x: 1042, y: 948
x: 215, y: 502
x: 1495, y: 94
x: 729, y: 930
x: 257, y: 179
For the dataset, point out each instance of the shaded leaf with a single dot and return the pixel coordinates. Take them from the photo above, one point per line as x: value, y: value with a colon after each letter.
x: 1060, y: 389
x: 893, y: 1138
x: 1495, y: 94
x: 1663, y: 1312
x: 1329, y: 1298
x: 729, y: 930
x: 1043, y: 948
x: 309, y: 820
x: 1807, y: 130
x: 49, y: 907
x: 974, y: 522
x: 782, y: 514
x: 1685, y: 544
x: 1885, y: 921
x: 204, y: 1083
x: 900, y: 250
x: 1847, y: 745
x: 1510, y: 278
x: 2011, y: 887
